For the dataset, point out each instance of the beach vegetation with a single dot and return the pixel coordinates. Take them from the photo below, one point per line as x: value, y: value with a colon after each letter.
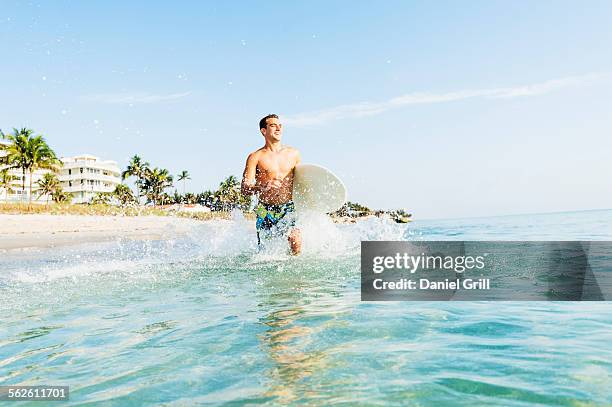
x: 400, y: 215
x: 353, y: 210
x: 152, y: 183
x: 48, y: 185
x: 228, y: 197
x: 102, y: 198
x: 206, y: 198
x: 136, y: 168
x: 61, y: 196
x: 189, y: 198
x: 6, y: 181
x: 122, y: 195
x: 102, y: 209
x: 183, y: 176
x: 229, y: 193
x: 28, y: 153
x: 156, y: 180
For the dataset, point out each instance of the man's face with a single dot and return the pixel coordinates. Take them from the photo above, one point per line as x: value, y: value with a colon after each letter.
x: 273, y: 130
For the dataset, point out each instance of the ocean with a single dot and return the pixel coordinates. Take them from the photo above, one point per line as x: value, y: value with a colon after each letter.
x: 206, y: 319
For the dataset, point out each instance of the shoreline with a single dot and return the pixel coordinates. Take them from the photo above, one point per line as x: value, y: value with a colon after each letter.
x: 47, y: 231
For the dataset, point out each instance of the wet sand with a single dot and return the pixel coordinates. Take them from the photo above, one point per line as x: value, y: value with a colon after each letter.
x: 24, y: 231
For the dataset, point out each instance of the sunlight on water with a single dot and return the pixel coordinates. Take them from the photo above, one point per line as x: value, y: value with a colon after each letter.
x: 209, y: 318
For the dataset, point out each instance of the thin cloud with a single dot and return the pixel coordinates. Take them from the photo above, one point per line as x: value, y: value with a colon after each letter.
x: 419, y: 98
x: 134, y: 98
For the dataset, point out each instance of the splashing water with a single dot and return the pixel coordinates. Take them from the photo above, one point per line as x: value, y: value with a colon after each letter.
x: 208, y: 318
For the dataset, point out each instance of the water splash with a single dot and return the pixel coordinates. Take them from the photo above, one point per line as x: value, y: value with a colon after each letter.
x: 117, y: 320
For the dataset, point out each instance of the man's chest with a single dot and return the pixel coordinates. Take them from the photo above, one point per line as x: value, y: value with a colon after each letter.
x: 277, y: 163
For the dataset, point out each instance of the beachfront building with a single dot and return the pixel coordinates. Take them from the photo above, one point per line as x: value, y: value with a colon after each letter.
x: 82, y: 176
x: 15, y: 192
x: 85, y: 175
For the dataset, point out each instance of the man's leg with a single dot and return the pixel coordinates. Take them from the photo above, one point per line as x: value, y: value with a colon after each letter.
x: 295, y: 241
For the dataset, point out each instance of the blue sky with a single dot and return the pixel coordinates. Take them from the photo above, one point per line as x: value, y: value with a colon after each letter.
x: 447, y: 109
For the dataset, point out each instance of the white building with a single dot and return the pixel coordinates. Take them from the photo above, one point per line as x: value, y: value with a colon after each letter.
x: 17, y: 194
x: 82, y: 176
x: 85, y: 175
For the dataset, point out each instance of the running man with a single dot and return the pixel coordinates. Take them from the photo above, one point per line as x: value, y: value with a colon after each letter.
x: 269, y: 175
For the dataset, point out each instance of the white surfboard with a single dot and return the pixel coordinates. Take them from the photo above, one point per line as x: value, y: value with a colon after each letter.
x: 317, y: 189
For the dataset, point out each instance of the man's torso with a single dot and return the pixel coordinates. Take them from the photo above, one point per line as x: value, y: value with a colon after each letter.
x: 276, y: 165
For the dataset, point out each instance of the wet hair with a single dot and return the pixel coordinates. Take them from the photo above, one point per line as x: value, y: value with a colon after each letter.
x: 263, y: 122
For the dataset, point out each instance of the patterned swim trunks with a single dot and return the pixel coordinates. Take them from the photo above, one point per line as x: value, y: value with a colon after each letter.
x: 274, y: 220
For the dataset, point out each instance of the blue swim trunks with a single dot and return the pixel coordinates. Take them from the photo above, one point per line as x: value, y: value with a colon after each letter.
x: 274, y: 220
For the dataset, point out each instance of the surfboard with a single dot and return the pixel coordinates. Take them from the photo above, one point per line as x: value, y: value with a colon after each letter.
x: 317, y: 189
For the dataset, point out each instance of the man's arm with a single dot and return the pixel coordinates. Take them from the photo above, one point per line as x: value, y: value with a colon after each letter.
x: 248, y: 186
x: 298, y: 159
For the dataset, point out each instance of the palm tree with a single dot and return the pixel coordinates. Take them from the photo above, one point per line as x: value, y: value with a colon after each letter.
x: 29, y: 153
x: 16, y: 156
x: 165, y: 198
x: 6, y: 181
x: 156, y: 180
x: 48, y: 185
x: 183, y: 176
x: 62, y: 196
x: 190, y: 198
x: 59, y: 195
x: 136, y: 168
x: 229, y: 193
x: 176, y: 197
x: 230, y: 183
x: 205, y: 198
x: 124, y: 194
x: 41, y: 156
x: 102, y: 198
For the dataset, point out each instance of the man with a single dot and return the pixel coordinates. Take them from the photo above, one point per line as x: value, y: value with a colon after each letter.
x: 269, y: 175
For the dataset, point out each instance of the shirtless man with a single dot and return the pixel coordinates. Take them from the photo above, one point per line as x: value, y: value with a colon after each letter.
x: 269, y: 175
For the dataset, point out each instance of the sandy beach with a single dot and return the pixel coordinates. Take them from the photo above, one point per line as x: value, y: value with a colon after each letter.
x: 36, y: 230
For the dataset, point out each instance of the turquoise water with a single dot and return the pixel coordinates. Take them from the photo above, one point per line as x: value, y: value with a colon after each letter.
x: 205, y: 319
